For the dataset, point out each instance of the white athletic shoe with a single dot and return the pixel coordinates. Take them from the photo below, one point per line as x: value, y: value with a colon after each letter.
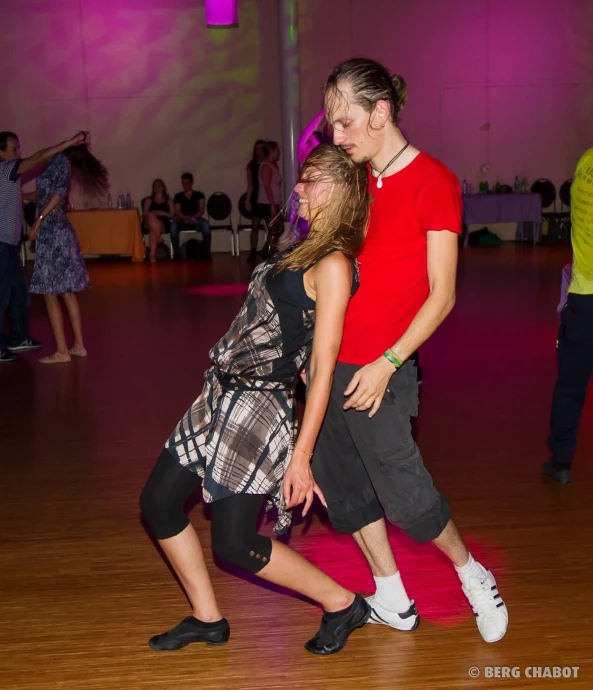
x: 409, y: 620
x: 489, y: 609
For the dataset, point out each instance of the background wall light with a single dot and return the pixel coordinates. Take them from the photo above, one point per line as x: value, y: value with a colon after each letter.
x: 221, y: 13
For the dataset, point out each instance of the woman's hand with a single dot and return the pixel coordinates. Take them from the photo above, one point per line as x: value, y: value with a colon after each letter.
x: 35, y: 229
x: 248, y: 206
x: 298, y: 484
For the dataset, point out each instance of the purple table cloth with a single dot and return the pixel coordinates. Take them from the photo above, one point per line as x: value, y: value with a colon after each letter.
x: 481, y: 209
x: 501, y: 208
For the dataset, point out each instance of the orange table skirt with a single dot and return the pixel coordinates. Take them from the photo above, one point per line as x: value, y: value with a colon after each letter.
x: 109, y: 231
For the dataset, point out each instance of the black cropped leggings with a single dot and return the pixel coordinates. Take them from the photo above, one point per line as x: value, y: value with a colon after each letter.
x: 234, y: 519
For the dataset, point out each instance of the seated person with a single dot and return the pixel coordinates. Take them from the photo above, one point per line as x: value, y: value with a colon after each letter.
x: 157, y: 215
x: 189, y: 215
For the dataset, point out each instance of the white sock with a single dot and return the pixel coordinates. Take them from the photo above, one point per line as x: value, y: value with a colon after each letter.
x: 391, y: 593
x: 471, y: 569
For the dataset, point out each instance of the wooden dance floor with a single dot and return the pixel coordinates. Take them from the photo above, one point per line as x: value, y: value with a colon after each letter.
x: 83, y: 588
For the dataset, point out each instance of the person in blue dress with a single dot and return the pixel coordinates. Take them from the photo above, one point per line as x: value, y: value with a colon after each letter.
x: 59, y: 267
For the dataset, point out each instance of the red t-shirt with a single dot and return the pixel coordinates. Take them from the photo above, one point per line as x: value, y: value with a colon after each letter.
x: 424, y: 196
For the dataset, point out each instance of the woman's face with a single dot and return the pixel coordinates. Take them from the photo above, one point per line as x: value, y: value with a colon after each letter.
x: 158, y: 189
x: 313, y: 194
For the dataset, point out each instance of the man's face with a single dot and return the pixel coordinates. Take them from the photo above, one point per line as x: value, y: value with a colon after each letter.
x: 13, y: 150
x: 187, y: 184
x: 351, y: 125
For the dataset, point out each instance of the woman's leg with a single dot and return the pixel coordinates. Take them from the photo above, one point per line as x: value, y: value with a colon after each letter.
x: 235, y: 539
x: 162, y: 503
x: 155, y: 228
x: 54, y: 311
x: 255, y: 223
x: 266, y: 251
x: 71, y: 302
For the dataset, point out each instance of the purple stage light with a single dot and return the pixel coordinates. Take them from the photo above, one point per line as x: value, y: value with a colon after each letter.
x: 221, y: 13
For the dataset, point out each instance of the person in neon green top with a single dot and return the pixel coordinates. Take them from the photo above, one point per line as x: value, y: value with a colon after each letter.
x: 575, y: 336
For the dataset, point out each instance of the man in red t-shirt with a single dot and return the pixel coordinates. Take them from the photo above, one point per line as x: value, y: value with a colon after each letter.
x: 366, y: 461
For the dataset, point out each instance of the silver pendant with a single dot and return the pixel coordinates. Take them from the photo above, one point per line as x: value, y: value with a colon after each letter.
x: 379, y: 182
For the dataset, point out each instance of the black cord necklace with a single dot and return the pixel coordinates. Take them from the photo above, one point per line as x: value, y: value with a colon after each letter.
x: 380, y: 175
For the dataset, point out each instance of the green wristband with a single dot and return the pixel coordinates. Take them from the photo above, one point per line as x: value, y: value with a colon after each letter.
x: 393, y: 358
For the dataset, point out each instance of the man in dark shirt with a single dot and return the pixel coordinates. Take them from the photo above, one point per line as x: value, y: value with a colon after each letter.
x: 189, y: 215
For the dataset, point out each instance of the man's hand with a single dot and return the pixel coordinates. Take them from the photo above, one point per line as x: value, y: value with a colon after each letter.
x: 299, y: 485
x: 368, y: 385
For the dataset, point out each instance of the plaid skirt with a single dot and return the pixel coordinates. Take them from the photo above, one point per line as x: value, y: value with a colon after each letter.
x: 238, y: 436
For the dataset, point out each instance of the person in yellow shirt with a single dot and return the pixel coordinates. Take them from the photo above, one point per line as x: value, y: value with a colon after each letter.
x: 575, y: 336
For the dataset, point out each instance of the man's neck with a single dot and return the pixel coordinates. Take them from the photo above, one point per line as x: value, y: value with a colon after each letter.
x: 188, y: 193
x: 393, y: 142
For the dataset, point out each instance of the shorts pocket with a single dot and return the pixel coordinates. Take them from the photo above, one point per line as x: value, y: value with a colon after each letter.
x: 402, y: 391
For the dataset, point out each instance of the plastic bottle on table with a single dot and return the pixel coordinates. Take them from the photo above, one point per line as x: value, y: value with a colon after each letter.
x: 516, y: 185
x: 109, y: 201
x: 128, y: 201
x: 464, y: 187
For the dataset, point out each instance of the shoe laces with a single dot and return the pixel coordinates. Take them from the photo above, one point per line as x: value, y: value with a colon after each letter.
x: 481, y: 596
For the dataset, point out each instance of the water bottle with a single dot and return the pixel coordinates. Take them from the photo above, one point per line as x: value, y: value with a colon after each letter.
x: 120, y: 201
x: 464, y: 187
x: 128, y: 201
x: 109, y: 201
x: 516, y: 185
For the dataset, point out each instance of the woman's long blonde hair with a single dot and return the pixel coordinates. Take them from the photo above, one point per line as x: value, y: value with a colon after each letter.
x: 341, y: 222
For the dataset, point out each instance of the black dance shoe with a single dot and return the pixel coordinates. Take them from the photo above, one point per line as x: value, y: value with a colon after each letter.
x: 192, y: 630
x: 336, y: 627
x: 561, y: 473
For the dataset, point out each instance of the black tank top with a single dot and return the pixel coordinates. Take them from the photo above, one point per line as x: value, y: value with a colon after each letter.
x: 159, y: 206
x: 272, y: 336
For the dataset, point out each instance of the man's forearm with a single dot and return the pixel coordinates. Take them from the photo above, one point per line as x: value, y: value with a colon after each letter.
x: 431, y: 315
x: 41, y: 157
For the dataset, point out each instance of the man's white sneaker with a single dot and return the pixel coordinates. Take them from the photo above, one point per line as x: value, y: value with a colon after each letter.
x: 409, y: 620
x: 490, y: 610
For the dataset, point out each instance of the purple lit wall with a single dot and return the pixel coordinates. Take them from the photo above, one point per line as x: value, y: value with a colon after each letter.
x: 525, y: 67
x: 160, y: 91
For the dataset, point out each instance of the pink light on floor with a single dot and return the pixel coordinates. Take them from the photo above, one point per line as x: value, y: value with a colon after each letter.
x: 428, y: 576
x: 221, y: 13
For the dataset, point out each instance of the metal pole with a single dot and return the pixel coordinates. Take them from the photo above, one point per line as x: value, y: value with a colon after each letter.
x: 289, y: 77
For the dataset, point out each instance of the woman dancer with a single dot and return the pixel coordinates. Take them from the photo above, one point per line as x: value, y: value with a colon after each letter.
x: 59, y: 267
x: 270, y: 194
x: 251, y: 204
x: 237, y: 439
x: 158, y: 212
